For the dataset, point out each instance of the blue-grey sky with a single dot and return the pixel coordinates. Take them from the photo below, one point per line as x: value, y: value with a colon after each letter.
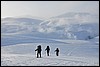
x: 46, y: 9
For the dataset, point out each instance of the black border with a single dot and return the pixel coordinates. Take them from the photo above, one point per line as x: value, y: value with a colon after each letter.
x: 49, y: 0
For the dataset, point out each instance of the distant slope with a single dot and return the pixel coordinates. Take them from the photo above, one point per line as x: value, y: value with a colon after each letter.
x: 79, y: 26
x: 14, y: 25
x: 71, y: 26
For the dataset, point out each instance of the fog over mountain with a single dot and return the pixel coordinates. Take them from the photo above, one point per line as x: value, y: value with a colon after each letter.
x: 66, y: 26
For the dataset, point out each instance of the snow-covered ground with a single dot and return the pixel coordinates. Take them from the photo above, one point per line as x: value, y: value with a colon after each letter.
x: 72, y: 53
x: 75, y: 34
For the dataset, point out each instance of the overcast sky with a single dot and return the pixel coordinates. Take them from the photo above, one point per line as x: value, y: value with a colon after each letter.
x: 46, y: 9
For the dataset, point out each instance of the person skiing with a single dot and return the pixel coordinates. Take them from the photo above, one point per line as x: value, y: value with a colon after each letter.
x: 48, y: 50
x: 38, y: 51
x: 57, y: 52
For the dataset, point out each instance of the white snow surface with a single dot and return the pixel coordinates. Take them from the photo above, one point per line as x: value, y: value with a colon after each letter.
x: 72, y: 53
x: 75, y: 34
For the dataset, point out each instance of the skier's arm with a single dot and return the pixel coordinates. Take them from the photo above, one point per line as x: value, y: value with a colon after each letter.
x: 36, y: 50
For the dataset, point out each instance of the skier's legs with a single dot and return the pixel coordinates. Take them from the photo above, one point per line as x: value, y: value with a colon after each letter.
x: 37, y: 55
x: 47, y: 54
x: 40, y: 54
x: 57, y: 53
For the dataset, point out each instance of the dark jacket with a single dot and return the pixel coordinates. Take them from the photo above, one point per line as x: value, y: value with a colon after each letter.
x: 48, y: 49
x: 38, y: 49
x: 57, y: 50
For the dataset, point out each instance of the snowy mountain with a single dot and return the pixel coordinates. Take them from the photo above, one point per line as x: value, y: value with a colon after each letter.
x: 13, y: 30
x: 80, y: 26
x: 79, y: 17
x: 15, y: 25
x: 71, y: 26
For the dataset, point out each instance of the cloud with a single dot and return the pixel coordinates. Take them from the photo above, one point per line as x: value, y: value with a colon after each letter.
x: 47, y: 9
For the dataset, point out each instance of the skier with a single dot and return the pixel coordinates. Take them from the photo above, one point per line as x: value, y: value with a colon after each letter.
x: 48, y: 49
x: 38, y: 51
x: 57, y: 52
